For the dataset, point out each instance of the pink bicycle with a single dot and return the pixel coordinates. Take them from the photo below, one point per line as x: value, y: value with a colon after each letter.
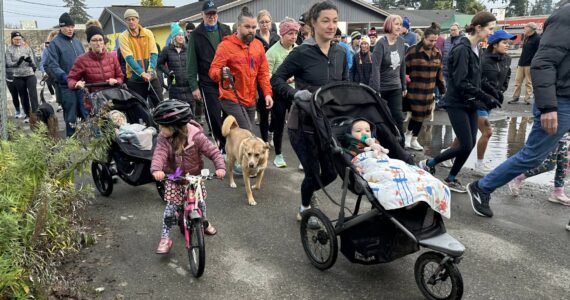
x: 190, y: 218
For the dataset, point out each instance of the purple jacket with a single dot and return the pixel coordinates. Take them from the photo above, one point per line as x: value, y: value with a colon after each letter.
x: 164, y: 159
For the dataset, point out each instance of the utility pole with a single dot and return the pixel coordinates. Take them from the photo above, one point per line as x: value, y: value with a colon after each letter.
x: 3, y: 99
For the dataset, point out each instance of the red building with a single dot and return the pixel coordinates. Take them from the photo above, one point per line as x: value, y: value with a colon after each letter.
x: 515, y: 25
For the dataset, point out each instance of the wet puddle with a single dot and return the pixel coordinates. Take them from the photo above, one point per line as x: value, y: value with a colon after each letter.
x: 508, y: 138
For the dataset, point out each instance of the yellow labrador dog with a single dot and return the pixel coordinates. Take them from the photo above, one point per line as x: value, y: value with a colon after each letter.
x: 247, y: 149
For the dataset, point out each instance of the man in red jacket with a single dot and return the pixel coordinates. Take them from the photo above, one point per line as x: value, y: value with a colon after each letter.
x: 95, y: 66
x: 243, y: 56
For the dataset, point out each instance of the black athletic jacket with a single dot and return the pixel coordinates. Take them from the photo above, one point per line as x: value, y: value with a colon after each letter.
x: 550, y: 69
x: 464, y: 86
x: 496, y: 70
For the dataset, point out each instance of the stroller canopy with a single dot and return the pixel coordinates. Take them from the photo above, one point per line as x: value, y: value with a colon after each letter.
x: 130, y: 103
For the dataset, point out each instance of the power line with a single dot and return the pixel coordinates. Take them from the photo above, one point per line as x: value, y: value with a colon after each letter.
x: 53, y: 5
x: 29, y: 15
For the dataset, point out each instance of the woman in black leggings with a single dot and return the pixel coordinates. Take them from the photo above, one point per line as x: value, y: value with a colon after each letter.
x: 313, y: 64
x: 464, y: 96
x: 20, y: 58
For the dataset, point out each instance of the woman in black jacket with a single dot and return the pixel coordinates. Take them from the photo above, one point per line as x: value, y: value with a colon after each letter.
x: 172, y: 63
x: 268, y: 37
x: 496, y: 72
x: 312, y: 64
x: 464, y: 96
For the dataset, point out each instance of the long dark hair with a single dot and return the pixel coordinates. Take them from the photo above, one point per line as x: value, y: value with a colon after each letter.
x: 316, y: 9
x: 482, y: 18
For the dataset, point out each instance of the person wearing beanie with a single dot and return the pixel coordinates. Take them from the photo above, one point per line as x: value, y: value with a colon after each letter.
x: 362, y: 62
x: 63, y: 50
x: 20, y: 62
x: 95, y: 66
x: 410, y: 37
x: 289, y: 30
x: 530, y: 47
x: 139, y: 49
x: 172, y: 63
x: 202, y: 46
x: 355, y: 37
x: 175, y: 30
x: 66, y: 20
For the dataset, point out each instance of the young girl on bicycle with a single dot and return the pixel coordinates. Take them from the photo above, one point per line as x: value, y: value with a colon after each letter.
x: 180, y: 144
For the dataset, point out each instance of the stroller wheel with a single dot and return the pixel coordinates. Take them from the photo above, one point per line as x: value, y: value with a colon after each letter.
x: 437, y: 280
x: 160, y: 189
x: 319, y: 239
x: 102, y: 178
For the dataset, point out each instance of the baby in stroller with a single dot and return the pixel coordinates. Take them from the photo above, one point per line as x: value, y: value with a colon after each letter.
x: 394, y: 183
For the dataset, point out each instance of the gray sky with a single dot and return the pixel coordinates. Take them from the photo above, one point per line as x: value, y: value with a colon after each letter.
x: 47, y: 15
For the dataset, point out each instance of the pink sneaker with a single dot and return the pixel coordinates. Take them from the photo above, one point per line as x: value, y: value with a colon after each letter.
x: 515, y: 185
x: 164, y: 246
x: 560, y: 198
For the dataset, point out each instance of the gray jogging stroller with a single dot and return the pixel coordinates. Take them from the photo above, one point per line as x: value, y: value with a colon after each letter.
x: 378, y: 235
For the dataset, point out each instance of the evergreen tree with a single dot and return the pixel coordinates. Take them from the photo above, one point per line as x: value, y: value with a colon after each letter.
x: 517, y: 8
x: 151, y: 3
x: 474, y: 7
x: 385, y: 4
x: 542, y: 7
x: 77, y: 10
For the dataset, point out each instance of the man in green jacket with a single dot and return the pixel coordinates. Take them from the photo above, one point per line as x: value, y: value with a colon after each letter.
x: 202, y: 45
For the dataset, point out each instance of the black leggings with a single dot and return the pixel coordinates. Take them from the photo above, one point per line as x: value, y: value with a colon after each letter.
x: 415, y: 127
x: 28, y: 93
x: 394, y: 99
x: 464, y: 123
x: 263, y: 116
x: 278, y: 112
x: 14, y: 92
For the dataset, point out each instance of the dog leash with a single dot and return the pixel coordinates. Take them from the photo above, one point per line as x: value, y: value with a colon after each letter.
x: 232, y: 85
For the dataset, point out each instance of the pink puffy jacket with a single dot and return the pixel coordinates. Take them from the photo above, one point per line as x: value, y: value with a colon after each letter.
x: 164, y: 159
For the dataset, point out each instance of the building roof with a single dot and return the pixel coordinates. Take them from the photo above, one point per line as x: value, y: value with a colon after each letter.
x: 183, y: 13
x: 146, y: 13
x: 422, y: 18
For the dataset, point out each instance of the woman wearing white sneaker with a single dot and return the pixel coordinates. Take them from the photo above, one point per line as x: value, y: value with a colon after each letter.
x: 423, y: 65
x: 558, y: 159
x: 496, y: 72
x: 21, y: 59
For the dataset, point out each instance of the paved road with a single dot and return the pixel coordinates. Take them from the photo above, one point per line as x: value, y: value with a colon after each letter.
x: 521, y: 253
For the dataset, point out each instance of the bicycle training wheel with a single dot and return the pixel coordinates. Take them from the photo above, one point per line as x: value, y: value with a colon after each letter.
x: 443, y: 285
x: 102, y: 178
x: 319, y: 239
x: 197, y: 249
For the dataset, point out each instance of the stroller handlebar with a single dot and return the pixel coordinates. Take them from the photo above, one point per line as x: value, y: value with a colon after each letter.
x: 97, y: 84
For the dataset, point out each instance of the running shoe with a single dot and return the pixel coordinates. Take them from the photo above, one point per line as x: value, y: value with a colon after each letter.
x: 27, y: 120
x: 423, y: 165
x: 414, y: 145
x: 164, y: 246
x: 559, y: 198
x: 270, y: 138
x: 482, y: 169
x: 301, y: 167
x: 448, y: 163
x: 455, y: 186
x: 279, y: 161
x: 479, y: 200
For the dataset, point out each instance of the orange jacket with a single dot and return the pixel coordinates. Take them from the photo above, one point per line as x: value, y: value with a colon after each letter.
x: 249, y: 66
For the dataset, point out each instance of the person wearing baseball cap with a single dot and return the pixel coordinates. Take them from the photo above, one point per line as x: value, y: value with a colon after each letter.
x: 305, y: 31
x: 61, y: 58
x: 530, y: 47
x: 410, y: 37
x: 202, y: 45
x: 138, y: 47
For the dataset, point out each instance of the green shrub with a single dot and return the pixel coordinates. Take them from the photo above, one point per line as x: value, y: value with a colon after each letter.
x: 41, y: 200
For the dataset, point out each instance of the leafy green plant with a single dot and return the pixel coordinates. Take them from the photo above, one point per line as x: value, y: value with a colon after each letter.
x: 41, y: 200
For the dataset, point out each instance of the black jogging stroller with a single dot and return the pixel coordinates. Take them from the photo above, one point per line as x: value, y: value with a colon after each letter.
x: 376, y: 236
x: 125, y: 160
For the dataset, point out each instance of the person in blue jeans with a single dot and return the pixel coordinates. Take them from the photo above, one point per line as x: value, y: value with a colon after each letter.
x: 551, y: 70
x: 62, y: 52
